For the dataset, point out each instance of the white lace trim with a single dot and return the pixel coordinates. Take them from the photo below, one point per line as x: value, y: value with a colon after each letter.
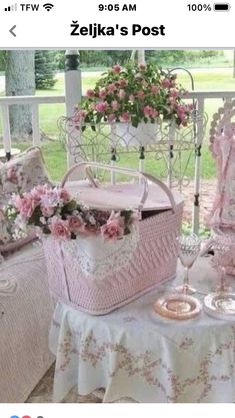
x: 97, y: 258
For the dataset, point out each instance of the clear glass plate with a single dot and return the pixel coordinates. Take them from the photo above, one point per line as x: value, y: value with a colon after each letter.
x: 220, y: 305
x: 178, y: 306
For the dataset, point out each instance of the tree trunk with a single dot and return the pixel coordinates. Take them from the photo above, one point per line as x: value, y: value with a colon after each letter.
x: 234, y: 63
x: 20, y: 81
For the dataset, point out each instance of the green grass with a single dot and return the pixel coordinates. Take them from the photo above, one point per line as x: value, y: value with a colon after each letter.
x: 55, y: 155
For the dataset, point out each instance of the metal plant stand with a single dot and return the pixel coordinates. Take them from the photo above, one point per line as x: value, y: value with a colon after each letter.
x: 170, y: 147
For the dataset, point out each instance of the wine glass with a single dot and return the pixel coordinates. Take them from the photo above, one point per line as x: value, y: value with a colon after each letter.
x: 221, y: 246
x: 189, y: 248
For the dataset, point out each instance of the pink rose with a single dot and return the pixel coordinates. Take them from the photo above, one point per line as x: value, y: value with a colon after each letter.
x: 181, y: 116
x: 111, y: 118
x: 116, y: 68
x: 172, y: 100
x: 101, y: 107
x: 39, y: 191
x: 125, y: 117
x: 112, y: 230
x: 16, y: 201
x: 75, y: 224
x: 166, y: 83
x: 12, y: 175
x: 182, y: 108
x: 25, y: 206
x: 111, y: 88
x: 90, y: 93
x: 148, y: 110
x: 123, y: 82
x: 154, y: 89
x: 47, y: 211
x: 79, y: 116
x: 174, y: 93
x: 102, y: 93
x: 155, y: 113
x: 122, y: 94
x: 140, y: 94
x: 64, y: 195
x: 51, y: 198
x: 115, y: 105
x: 59, y: 228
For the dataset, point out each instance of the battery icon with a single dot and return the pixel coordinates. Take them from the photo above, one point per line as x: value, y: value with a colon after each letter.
x: 221, y: 7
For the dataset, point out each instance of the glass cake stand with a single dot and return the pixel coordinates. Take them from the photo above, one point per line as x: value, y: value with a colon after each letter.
x: 220, y: 305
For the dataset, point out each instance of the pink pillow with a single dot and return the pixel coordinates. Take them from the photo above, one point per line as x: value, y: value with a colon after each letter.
x: 20, y: 174
x: 23, y: 172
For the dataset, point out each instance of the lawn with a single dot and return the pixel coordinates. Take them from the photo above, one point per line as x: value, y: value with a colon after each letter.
x: 55, y: 155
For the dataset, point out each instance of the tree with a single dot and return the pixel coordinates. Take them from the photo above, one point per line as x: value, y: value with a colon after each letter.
x: 3, y: 55
x: 20, y: 81
x: 234, y: 63
x: 45, y: 67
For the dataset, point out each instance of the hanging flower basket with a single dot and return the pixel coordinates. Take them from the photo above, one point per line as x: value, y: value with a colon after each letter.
x: 135, y: 95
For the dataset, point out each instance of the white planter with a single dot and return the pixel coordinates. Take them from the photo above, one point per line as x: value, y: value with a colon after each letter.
x: 126, y: 134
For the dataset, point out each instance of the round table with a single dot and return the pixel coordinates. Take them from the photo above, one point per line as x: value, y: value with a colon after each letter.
x: 134, y: 353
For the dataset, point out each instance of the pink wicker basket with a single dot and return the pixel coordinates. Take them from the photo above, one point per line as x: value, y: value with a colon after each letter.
x: 98, y: 277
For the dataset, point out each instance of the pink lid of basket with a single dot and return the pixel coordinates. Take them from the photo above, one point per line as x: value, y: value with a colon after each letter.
x: 122, y: 196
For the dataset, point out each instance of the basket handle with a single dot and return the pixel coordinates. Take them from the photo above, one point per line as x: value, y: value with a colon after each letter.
x: 128, y: 171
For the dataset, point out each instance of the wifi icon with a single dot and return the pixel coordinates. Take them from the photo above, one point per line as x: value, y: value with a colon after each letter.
x: 48, y: 6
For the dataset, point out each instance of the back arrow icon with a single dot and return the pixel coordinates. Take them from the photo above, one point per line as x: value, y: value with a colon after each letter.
x: 12, y: 30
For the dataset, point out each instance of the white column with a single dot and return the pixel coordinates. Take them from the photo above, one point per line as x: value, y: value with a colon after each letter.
x: 73, y: 90
x: 141, y: 56
x: 35, y: 123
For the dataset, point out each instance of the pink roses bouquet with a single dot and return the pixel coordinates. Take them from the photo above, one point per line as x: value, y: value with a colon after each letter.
x: 53, y: 211
x: 134, y: 94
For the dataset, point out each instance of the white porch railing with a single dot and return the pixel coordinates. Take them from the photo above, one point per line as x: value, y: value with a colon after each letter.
x: 36, y: 101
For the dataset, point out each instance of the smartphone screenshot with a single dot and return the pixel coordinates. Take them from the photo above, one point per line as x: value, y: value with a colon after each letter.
x: 117, y: 207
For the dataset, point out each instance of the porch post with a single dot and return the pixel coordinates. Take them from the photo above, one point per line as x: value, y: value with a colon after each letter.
x: 141, y: 56
x: 73, y: 91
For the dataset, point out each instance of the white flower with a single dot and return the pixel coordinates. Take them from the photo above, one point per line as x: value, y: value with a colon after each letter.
x: 51, y: 199
x: 92, y: 220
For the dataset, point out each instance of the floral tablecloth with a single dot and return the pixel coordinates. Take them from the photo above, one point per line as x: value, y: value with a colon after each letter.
x: 135, y: 353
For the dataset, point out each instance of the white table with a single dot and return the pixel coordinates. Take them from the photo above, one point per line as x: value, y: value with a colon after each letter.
x: 135, y: 353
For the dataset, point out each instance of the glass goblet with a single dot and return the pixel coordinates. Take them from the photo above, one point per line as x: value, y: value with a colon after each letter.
x: 189, y: 249
x: 221, y: 246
